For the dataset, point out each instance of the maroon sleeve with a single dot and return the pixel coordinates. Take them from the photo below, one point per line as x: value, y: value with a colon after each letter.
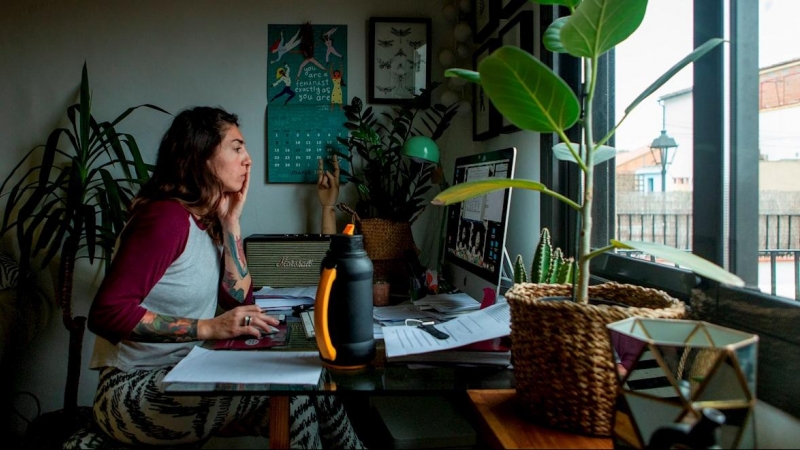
x: 151, y: 241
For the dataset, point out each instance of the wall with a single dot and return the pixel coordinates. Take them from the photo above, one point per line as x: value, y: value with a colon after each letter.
x: 176, y: 54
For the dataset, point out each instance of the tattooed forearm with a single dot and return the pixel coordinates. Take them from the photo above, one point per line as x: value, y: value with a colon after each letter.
x: 160, y: 328
x: 237, y: 254
x: 230, y: 286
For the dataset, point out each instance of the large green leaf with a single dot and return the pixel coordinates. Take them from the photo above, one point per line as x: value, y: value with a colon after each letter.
x: 527, y: 92
x: 698, y: 53
x: 601, y: 154
x: 683, y: 259
x: 597, y: 26
x: 472, y: 189
x: 469, y: 75
x: 552, y: 36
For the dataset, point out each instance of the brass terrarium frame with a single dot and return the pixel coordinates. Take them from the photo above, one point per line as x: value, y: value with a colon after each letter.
x: 680, y: 368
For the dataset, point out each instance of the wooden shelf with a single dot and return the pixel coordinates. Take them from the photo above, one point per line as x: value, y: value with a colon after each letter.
x: 500, y: 426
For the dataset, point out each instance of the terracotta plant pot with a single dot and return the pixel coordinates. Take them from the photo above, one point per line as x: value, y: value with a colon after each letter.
x: 564, y: 368
x: 380, y: 293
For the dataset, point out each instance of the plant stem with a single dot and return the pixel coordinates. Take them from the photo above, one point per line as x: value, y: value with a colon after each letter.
x: 590, y: 71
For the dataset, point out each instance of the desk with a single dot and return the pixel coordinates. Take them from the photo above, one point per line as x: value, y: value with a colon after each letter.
x: 500, y: 426
x: 380, y: 378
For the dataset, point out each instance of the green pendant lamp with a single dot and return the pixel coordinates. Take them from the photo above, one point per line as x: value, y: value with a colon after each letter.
x: 421, y: 149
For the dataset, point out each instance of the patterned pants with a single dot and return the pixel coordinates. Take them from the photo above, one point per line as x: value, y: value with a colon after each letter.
x: 132, y: 408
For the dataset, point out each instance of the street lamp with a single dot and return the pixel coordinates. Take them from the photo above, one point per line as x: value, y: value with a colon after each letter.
x: 662, y: 144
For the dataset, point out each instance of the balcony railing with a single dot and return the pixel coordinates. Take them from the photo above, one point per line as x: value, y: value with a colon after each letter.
x: 778, y: 243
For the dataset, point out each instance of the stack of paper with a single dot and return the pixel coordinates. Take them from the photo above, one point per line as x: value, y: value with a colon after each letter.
x: 411, y: 343
x: 284, y: 298
x: 215, y: 366
x: 448, y: 303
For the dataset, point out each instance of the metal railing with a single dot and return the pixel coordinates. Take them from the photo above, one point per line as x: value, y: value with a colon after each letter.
x: 778, y: 242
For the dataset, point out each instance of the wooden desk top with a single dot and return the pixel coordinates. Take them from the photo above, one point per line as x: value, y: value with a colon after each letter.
x: 502, y: 427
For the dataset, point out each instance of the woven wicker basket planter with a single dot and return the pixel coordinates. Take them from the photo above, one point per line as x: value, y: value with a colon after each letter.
x: 564, y: 370
x: 386, y: 239
x: 385, y: 242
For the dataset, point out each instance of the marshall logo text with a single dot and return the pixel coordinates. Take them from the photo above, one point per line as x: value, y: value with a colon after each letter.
x: 286, y: 262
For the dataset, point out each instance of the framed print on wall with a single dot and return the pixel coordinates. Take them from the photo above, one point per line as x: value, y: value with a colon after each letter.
x: 399, y: 51
x: 519, y: 33
x: 485, y: 118
x: 485, y: 19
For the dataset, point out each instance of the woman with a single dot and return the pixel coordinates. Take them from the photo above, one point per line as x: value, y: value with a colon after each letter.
x: 179, y: 258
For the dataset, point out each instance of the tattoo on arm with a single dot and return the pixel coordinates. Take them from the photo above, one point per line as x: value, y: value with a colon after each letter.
x: 230, y: 285
x: 237, y: 253
x: 161, y: 328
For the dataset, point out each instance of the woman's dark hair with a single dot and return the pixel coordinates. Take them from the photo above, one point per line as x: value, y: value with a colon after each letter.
x: 182, y: 171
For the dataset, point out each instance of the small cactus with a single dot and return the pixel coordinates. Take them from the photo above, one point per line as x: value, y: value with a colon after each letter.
x: 549, y: 265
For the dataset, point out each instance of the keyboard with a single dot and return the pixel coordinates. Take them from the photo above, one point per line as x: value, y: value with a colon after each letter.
x: 307, y: 320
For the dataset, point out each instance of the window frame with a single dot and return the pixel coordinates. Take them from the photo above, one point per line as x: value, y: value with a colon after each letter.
x: 777, y: 382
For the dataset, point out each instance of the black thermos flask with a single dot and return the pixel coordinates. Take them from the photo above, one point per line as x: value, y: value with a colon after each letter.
x: 343, y: 306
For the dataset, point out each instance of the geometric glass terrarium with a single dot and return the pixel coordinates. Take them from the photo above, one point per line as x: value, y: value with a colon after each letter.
x: 671, y: 370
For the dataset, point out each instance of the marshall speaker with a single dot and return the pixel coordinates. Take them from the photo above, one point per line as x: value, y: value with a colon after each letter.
x: 285, y: 260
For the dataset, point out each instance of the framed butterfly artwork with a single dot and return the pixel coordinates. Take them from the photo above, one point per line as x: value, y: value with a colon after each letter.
x: 399, y: 55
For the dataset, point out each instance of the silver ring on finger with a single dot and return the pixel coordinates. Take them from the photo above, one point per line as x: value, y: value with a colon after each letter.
x: 247, y: 320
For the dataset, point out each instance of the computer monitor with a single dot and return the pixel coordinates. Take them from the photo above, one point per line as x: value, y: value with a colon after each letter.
x: 475, y: 233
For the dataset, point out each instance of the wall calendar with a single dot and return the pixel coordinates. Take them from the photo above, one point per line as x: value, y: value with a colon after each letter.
x: 306, y: 90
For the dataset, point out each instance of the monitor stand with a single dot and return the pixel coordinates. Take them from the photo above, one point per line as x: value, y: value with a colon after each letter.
x: 506, y: 272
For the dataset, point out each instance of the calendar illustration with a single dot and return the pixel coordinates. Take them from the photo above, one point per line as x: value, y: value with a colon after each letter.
x: 306, y: 90
x: 297, y: 137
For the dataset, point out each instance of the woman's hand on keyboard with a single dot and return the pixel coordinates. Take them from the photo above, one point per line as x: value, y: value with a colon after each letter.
x: 235, y: 323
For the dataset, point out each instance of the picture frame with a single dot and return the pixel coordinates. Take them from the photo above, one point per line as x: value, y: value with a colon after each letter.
x: 509, y: 7
x: 485, y: 117
x: 517, y: 32
x: 399, y: 52
x: 485, y: 19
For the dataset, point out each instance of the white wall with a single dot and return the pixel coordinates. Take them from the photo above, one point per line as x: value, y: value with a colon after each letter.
x: 180, y: 53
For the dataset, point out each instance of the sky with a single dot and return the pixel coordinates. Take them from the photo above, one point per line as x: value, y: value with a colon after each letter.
x: 663, y: 39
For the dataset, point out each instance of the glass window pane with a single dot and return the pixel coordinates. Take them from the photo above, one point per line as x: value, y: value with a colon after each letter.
x: 654, y: 164
x: 654, y: 143
x: 779, y: 142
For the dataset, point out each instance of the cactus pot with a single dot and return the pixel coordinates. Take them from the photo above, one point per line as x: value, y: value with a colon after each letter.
x: 564, y: 368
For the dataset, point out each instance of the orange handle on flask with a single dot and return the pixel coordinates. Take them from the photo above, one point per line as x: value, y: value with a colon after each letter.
x: 322, y: 331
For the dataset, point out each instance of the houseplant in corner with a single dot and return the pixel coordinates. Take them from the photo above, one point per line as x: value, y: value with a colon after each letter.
x: 73, y: 202
x: 563, y: 367
x: 391, y: 187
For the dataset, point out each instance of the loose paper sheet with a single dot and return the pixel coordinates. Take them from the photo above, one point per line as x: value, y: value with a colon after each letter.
x: 488, y: 323
x: 254, y: 367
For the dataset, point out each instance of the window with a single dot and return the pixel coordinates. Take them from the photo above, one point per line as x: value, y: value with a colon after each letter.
x: 728, y: 184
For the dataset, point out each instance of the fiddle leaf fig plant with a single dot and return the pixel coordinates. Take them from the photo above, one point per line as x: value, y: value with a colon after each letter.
x: 533, y: 97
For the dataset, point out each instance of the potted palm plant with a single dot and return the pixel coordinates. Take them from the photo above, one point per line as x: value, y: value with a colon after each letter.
x: 564, y: 368
x: 72, y: 201
x: 392, y: 188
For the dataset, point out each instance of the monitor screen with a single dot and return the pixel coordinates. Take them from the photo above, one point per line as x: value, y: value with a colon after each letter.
x: 476, y: 228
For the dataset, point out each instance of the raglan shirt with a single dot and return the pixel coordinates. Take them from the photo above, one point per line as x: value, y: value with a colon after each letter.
x: 165, y: 263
